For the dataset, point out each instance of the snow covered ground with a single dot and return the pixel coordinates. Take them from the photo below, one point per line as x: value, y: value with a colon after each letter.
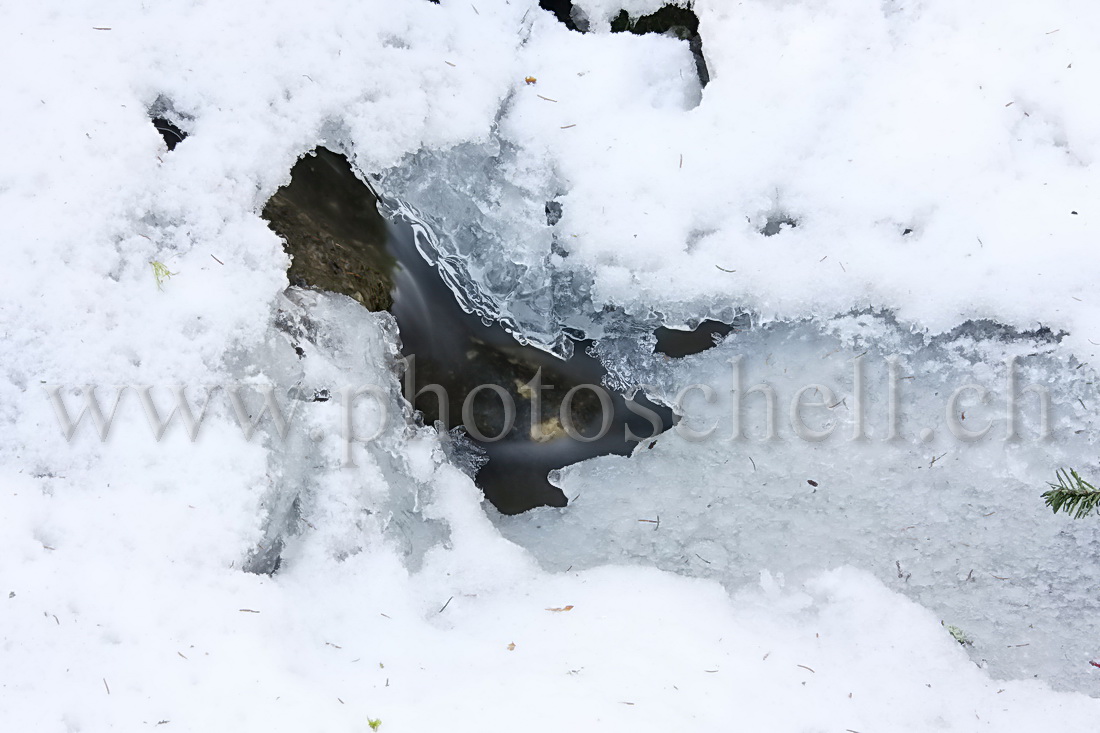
x: 123, y: 600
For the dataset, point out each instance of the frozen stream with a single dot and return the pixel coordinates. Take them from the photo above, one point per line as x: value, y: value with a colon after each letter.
x: 860, y: 442
x: 803, y: 447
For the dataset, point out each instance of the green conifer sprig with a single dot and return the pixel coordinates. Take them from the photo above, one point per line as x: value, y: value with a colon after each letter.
x: 1072, y: 494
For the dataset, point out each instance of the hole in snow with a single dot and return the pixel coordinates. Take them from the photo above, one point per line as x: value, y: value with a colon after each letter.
x: 573, y: 18
x: 673, y: 20
x: 165, y: 118
x: 775, y: 223
x: 461, y: 371
x: 553, y: 212
x: 172, y: 134
x: 678, y: 343
x: 681, y: 22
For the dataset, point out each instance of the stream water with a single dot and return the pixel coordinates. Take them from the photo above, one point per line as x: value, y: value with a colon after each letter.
x: 461, y: 370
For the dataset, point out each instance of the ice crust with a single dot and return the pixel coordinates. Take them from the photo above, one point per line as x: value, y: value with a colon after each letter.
x: 958, y: 526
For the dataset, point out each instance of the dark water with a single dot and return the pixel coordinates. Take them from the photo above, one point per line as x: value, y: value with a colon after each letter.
x: 330, y: 219
x: 678, y: 344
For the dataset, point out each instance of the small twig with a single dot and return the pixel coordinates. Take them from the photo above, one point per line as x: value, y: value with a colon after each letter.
x: 566, y: 127
x: 106, y: 685
x: 247, y: 610
x: 803, y: 666
x: 450, y: 64
x: 217, y: 260
x: 724, y: 269
x: 446, y: 604
x: 546, y: 98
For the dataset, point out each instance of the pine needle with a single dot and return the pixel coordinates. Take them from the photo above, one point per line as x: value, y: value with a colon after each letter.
x: 1072, y: 494
x: 161, y: 273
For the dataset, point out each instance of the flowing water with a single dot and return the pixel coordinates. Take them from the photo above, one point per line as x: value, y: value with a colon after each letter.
x: 461, y: 369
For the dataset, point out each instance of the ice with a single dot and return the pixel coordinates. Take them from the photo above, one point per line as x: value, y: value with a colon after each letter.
x: 958, y: 526
x: 323, y: 474
x: 486, y: 202
x: 487, y: 234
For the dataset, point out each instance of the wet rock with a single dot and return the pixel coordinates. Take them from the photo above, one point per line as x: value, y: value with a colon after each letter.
x: 333, y: 233
x: 460, y: 371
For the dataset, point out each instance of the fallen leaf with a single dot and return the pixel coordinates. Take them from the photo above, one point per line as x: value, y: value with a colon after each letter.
x: 530, y: 79
x: 559, y: 610
x: 512, y: 647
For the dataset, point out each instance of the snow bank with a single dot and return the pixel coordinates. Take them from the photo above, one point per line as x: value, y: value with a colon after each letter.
x: 936, y: 160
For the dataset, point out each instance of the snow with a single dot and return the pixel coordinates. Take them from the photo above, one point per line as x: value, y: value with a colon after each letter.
x: 123, y: 600
x: 859, y: 121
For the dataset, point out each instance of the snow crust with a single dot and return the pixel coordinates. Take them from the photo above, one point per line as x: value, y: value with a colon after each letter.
x: 123, y: 601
